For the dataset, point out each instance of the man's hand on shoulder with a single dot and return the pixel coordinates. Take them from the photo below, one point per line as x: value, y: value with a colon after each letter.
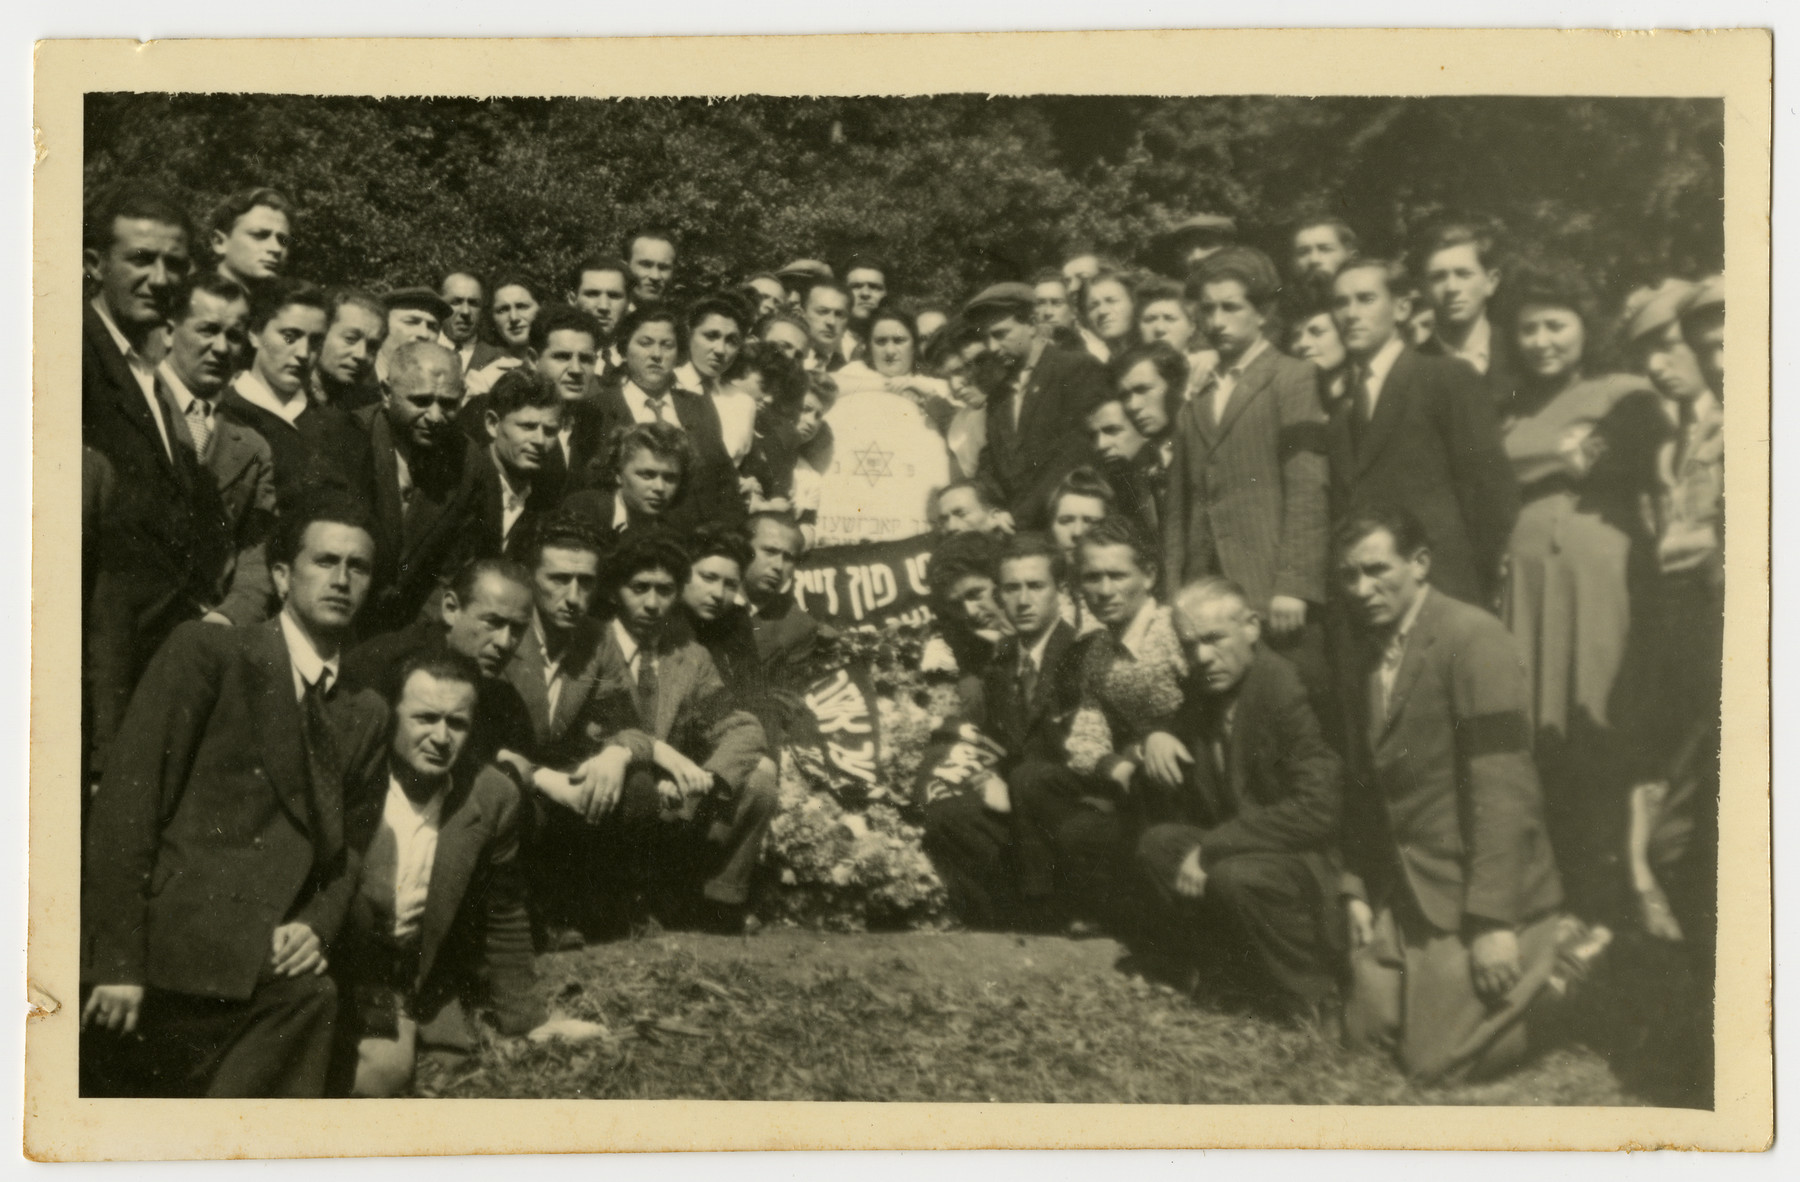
x: 113, y: 1007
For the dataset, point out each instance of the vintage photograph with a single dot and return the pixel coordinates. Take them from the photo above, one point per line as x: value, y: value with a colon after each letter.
x: 1055, y: 598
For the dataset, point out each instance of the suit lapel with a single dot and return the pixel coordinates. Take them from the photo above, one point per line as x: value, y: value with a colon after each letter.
x: 459, y: 845
x: 1412, y: 663
x: 278, y: 730
x: 1250, y: 384
x: 526, y: 672
x: 128, y: 395
x: 581, y: 669
x: 1389, y: 409
x: 387, y: 482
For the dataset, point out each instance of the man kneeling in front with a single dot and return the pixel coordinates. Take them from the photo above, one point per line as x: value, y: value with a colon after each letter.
x: 438, y: 923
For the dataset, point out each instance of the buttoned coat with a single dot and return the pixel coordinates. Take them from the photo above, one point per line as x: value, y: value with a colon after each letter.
x: 1443, y: 801
x: 201, y: 841
x: 1247, y: 494
x: 1024, y: 461
x: 243, y: 473
x: 1432, y: 448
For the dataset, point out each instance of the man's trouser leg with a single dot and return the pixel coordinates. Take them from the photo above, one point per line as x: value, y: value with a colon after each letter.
x: 275, y: 1045
x: 968, y: 844
x: 1258, y: 920
x: 737, y: 838
x: 578, y: 870
x: 1044, y: 796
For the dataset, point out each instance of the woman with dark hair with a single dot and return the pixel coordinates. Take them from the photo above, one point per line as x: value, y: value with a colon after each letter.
x: 504, y: 333
x: 715, y: 327
x: 776, y: 387
x: 1583, y: 445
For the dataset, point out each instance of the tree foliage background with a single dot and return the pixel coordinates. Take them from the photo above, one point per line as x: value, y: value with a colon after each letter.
x: 955, y: 191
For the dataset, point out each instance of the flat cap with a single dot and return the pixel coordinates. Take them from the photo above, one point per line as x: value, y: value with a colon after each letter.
x: 1652, y: 309
x: 418, y: 297
x: 809, y: 268
x: 1203, y: 223
x: 1708, y: 293
x: 1007, y: 296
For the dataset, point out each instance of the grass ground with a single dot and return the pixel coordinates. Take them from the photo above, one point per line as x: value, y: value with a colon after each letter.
x: 788, y: 1014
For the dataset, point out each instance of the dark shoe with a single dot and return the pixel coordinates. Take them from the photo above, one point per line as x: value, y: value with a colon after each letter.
x: 720, y: 919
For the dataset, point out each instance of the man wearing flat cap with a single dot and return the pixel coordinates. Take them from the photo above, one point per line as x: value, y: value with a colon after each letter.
x: 1192, y: 241
x: 800, y: 275
x: 1035, y: 424
x: 413, y: 314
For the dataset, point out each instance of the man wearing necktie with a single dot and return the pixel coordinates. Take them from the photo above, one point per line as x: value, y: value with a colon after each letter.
x: 1244, y: 802
x: 1419, y: 433
x: 216, y: 872
x: 678, y: 778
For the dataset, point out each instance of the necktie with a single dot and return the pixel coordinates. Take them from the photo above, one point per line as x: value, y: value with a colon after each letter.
x: 646, y: 685
x: 325, y: 771
x: 1028, y: 679
x: 1362, y: 410
x: 656, y: 404
x: 199, y: 421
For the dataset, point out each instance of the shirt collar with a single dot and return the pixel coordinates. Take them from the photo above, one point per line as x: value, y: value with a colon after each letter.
x: 508, y: 494
x: 1380, y: 365
x: 628, y: 645
x: 639, y: 399
x: 1411, y: 618
x: 184, y: 397
x: 307, y: 660
x: 98, y: 303
x: 1481, y: 341
x: 252, y: 389
x: 1132, y: 641
x: 621, y: 515
x: 1236, y: 369
x: 1037, y: 650
x: 426, y: 812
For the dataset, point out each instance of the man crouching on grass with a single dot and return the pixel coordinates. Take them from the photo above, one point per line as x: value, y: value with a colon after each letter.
x: 681, y: 787
x: 439, y: 918
x: 1244, y: 798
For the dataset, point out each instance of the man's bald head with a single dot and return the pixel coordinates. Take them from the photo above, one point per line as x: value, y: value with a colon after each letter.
x: 424, y: 390
x: 424, y: 365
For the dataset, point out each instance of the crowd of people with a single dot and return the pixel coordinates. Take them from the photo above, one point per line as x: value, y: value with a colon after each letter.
x: 1338, y: 631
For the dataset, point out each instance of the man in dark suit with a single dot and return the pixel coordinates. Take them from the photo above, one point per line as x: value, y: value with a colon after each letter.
x: 1242, y: 807
x: 1149, y: 380
x: 438, y: 921
x: 314, y: 445
x: 1036, y: 425
x: 427, y: 485
x: 162, y: 541
x: 1460, y: 280
x: 1417, y: 433
x: 1452, y: 894
x: 645, y: 392
x: 216, y: 872
x: 557, y: 663
x: 1014, y: 713
x: 206, y: 324
x: 517, y: 486
x: 787, y: 635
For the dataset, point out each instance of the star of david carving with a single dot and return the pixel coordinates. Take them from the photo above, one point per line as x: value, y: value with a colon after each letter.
x: 873, y: 463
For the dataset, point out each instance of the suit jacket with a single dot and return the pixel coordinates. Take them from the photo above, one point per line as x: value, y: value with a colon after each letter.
x: 1444, y: 803
x: 557, y: 739
x: 1028, y: 730
x: 694, y: 713
x: 1246, y: 496
x: 1501, y: 378
x: 324, y: 447
x: 415, y: 554
x: 1282, y: 791
x: 1432, y: 448
x: 1025, y: 461
x: 201, y: 840
x: 487, y: 536
x: 243, y: 471
x: 475, y: 936
x: 710, y: 495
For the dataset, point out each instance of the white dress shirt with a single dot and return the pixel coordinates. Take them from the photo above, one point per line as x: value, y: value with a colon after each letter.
x: 1395, y: 652
x: 1226, y: 380
x: 553, y: 666
x: 142, y: 368
x: 308, y: 662
x: 512, y: 502
x: 415, y: 826
x: 638, y: 402
x: 190, y: 405
x: 1378, y: 367
x: 634, y: 654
